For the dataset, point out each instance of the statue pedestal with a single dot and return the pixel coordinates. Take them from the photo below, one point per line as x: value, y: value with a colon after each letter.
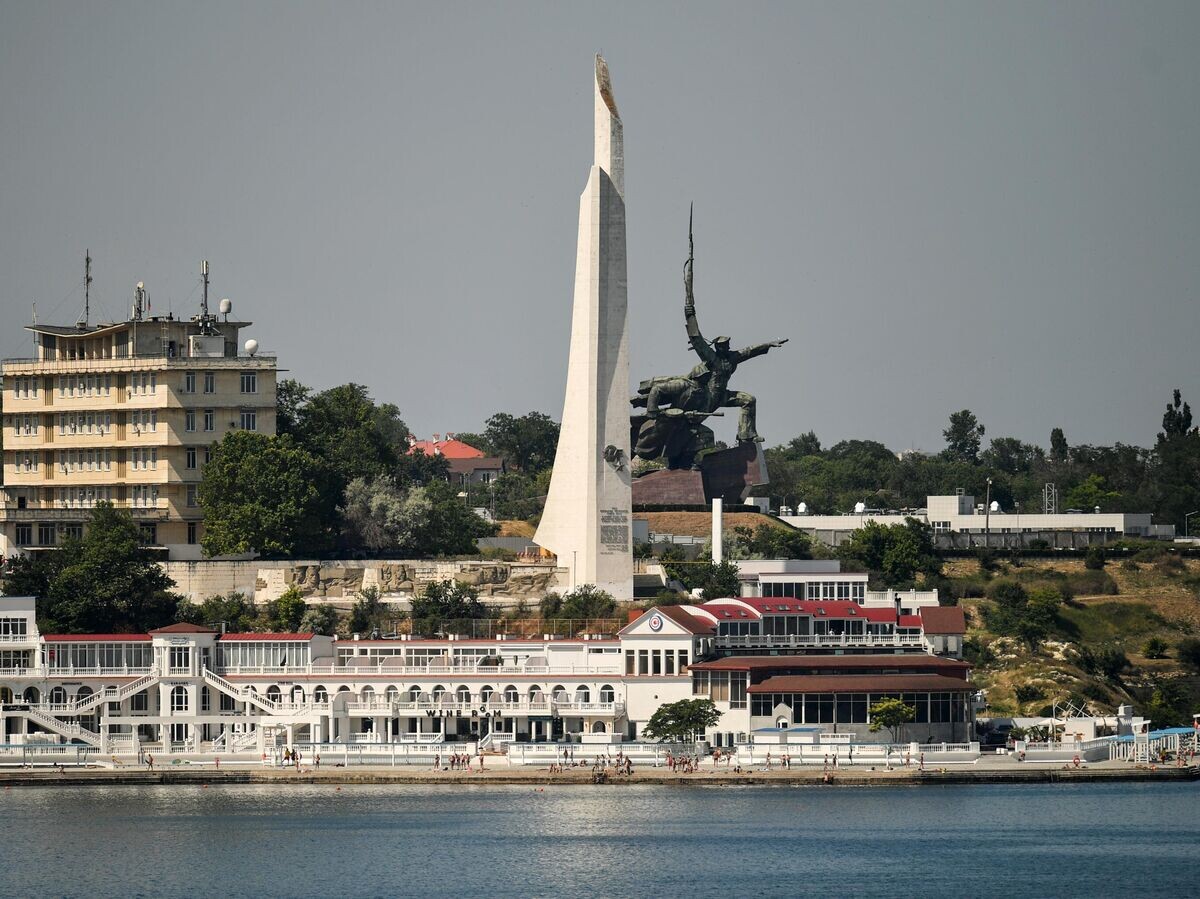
x: 733, y: 475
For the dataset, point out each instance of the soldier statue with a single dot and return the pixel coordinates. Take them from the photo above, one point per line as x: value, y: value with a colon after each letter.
x: 672, y: 426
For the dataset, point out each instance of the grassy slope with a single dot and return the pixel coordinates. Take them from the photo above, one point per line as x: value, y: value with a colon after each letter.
x: 1153, y: 601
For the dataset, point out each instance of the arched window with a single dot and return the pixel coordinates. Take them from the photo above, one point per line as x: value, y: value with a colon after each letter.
x: 559, y: 693
x: 297, y: 694
x: 82, y: 693
x: 598, y: 727
x: 320, y: 694
x: 437, y: 692
x: 58, y: 694
x: 536, y: 694
x: 273, y: 693
x: 512, y: 694
x: 32, y: 695
x: 6, y: 694
x: 485, y: 693
x: 179, y: 699
x: 392, y: 693
x: 463, y: 693
x: 583, y: 694
x: 607, y: 694
x: 367, y: 693
x: 414, y: 694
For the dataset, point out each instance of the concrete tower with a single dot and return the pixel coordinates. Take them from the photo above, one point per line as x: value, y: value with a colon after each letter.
x: 586, y: 522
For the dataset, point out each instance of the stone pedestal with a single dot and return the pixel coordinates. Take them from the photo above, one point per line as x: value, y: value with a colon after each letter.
x: 733, y: 475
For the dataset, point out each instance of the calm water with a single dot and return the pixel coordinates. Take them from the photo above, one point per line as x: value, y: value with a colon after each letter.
x: 1004, y: 841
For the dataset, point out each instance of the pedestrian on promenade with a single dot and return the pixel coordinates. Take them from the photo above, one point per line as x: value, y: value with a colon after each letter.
x: 149, y: 761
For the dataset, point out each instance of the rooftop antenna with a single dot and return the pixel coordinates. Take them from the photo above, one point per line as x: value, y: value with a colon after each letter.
x: 87, y: 289
x: 204, y: 301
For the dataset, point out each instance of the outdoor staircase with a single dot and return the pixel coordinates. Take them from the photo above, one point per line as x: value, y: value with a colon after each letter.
x: 69, y: 729
x: 244, y: 694
x: 111, y: 694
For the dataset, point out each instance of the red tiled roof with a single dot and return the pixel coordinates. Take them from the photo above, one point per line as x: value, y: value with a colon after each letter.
x: 861, y: 683
x: 451, y: 449
x: 911, y: 662
x: 183, y: 629
x: 943, y: 620
x: 266, y: 636
x: 95, y: 638
x: 685, y: 619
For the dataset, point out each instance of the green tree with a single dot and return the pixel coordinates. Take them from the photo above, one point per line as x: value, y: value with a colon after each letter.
x: 720, y: 581
x: 807, y: 444
x: 284, y: 614
x: 584, y: 602
x: 290, y: 397
x: 683, y: 721
x: 1094, y: 558
x: 963, y: 436
x: 1092, y: 494
x: 353, y: 435
x: 234, y: 612
x: 369, y: 612
x: 893, y: 714
x: 382, y: 515
x: 107, y: 582
x: 264, y: 494
x: 449, y: 528
x: 445, y: 601
x: 768, y: 541
x: 1027, y: 616
x: 897, y: 552
x: 1059, y: 448
x: 1155, y: 648
x: 322, y: 619
x: 1177, y: 420
x: 527, y: 442
x: 1188, y: 653
x: 1107, y: 661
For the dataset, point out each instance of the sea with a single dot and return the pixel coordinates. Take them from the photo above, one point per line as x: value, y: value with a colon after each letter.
x: 326, y: 841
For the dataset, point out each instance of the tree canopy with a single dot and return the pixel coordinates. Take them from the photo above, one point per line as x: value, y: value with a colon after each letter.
x: 105, y: 583
x: 682, y: 721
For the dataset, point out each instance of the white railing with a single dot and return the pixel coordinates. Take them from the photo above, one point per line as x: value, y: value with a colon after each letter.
x: 70, y: 671
x: 379, y: 669
x: 601, y: 709
x: 19, y: 638
x: 732, y: 641
x: 245, y: 694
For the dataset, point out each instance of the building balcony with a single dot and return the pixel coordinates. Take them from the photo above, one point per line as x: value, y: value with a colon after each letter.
x: 82, y: 514
x: 130, y: 362
x: 820, y: 641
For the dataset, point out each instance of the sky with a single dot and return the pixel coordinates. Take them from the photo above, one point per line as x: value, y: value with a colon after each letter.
x: 942, y: 205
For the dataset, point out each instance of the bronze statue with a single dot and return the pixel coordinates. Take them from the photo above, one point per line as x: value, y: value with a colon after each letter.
x: 672, y: 426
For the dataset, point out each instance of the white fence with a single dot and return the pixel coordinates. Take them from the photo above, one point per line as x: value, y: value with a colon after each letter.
x: 334, y: 755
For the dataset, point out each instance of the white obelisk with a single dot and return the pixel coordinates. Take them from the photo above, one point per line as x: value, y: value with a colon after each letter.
x: 586, y: 522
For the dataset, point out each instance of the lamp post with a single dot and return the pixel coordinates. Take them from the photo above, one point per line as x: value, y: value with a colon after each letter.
x: 987, y: 516
x: 1187, y: 533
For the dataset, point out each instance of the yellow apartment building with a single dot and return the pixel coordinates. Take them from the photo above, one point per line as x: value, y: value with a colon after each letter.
x: 125, y: 412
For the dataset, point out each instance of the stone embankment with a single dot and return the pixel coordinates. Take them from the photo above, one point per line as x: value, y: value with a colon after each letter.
x: 198, y: 776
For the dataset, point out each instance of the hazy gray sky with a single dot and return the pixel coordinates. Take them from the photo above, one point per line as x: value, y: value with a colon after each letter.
x: 944, y: 205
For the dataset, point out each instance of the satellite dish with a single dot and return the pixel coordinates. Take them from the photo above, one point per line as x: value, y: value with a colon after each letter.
x: 802, y: 509
x: 859, y: 508
x: 995, y: 507
x: 226, y: 306
x: 141, y: 285
x: 251, y: 346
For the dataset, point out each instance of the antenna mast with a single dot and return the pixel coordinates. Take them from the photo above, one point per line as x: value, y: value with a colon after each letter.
x: 87, y: 286
x: 204, y: 302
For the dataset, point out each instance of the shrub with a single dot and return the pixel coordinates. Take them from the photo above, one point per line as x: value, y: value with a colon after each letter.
x: 1103, y: 661
x: 1155, y: 648
x: 987, y: 559
x: 1188, y: 653
x: 1092, y: 583
x: 1130, y: 565
x: 1169, y: 564
x: 1094, y: 558
x: 1029, y: 693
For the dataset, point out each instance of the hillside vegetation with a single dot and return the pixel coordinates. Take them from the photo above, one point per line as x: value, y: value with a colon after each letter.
x: 1097, y: 637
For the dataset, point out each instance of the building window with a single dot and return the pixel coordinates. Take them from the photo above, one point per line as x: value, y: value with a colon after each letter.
x: 189, y: 382
x: 249, y: 420
x: 191, y: 533
x: 207, y: 454
x: 210, y: 420
x: 46, y: 535
x: 249, y: 382
x: 72, y: 531
x: 189, y: 420
x: 179, y: 697
x: 210, y: 382
x: 191, y: 495
x: 139, y: 702
x: 24, y: 535
x: 189, y: 456
x: 149, y: 534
